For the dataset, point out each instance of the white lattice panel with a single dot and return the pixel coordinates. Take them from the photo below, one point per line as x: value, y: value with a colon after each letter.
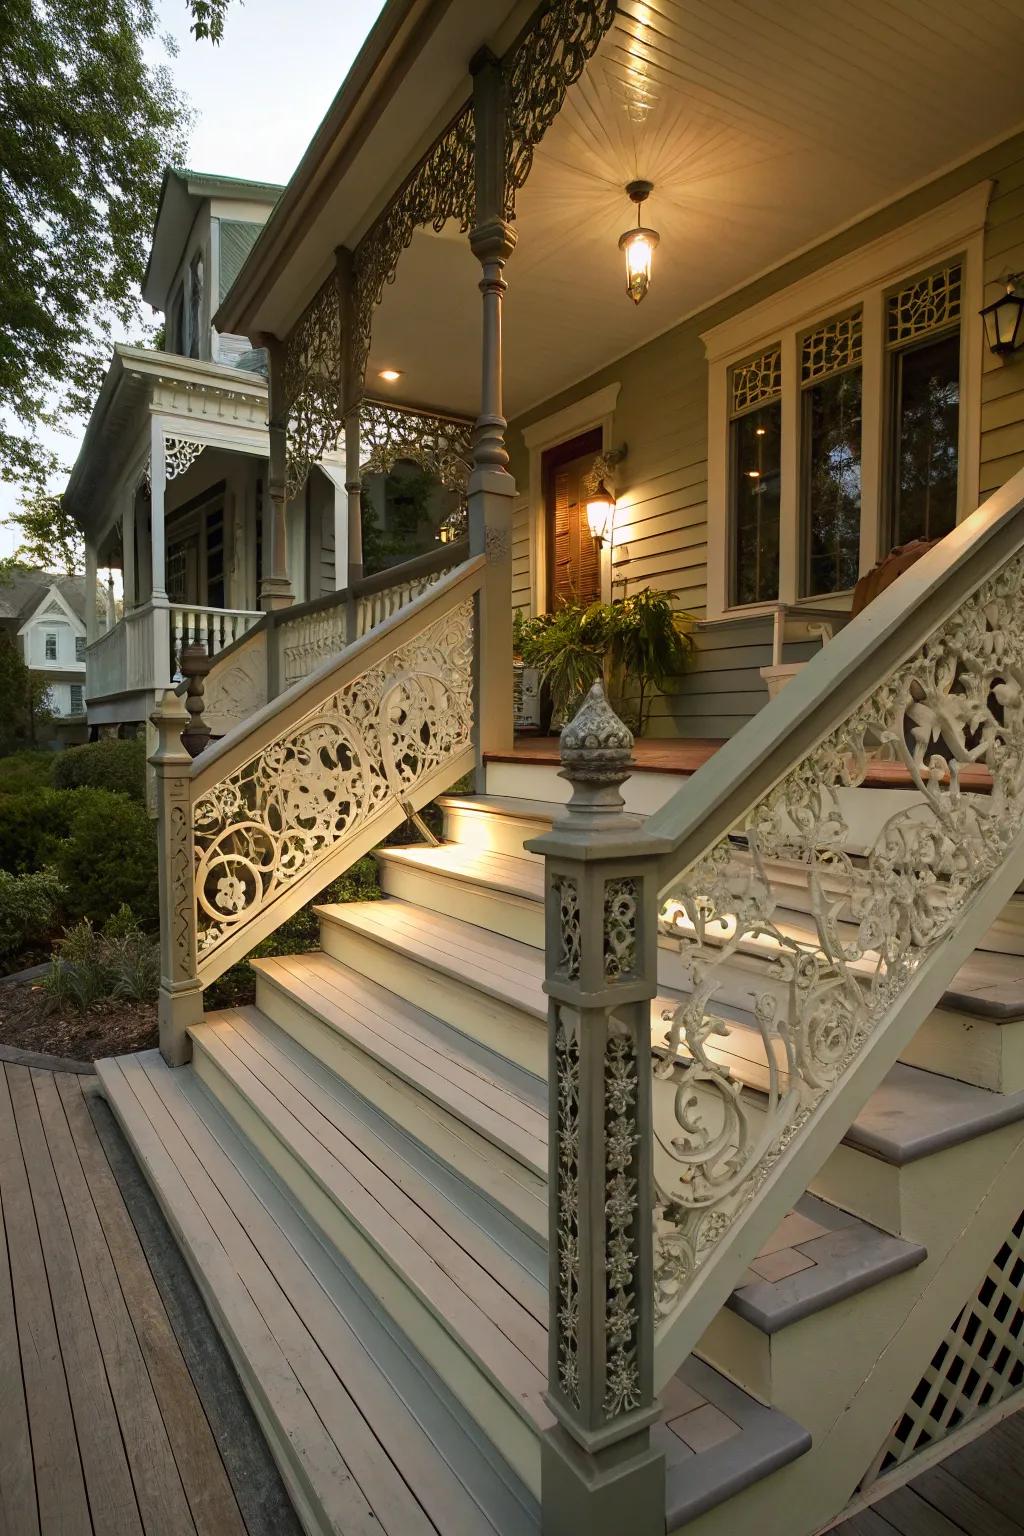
x: 977, y: 1366
x: 926, y: 304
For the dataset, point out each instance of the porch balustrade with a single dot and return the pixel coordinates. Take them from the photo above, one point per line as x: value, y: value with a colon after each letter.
x: 213, y: 628
x: 667, y: 1174
x: 141, y: 652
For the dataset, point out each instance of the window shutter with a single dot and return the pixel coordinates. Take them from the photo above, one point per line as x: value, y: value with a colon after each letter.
x: 237, y: 238
x: 577, y: 568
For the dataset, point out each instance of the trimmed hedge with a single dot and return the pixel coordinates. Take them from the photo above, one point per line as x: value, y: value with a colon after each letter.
x: 108, y: 858
x: 115, y: 765
x: 21, y: 771
x: 33, y: 824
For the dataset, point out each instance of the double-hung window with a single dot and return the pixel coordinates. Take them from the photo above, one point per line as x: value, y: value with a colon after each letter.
x: 755, y: 435
x: 831, y: 390
x: 923, y: 346
x: 50, y: 645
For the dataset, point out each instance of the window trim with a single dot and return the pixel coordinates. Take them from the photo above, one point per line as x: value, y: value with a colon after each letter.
x: 48, y: 635
x: 863, y: 278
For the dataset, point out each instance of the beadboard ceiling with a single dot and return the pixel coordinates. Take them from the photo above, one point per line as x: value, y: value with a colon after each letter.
x: 765, y: 125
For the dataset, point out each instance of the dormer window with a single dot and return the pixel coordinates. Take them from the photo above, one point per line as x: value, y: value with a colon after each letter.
x: 195, y: 302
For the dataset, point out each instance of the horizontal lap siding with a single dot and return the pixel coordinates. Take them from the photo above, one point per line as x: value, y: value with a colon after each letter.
x: 1002, y: 384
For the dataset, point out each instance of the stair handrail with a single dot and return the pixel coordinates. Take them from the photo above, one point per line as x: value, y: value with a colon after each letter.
x: 931, y: 674
x: 267, y: 816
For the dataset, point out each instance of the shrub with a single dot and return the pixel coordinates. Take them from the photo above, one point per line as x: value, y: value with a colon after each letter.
x: 113, y: 765
x: 119, y: 962
x: 32, y: 824
x: 109, y: 858
x: 28, y: 910
x: 23, y: 771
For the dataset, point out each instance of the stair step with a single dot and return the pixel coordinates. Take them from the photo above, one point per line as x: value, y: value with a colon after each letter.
x: 367, y: 1437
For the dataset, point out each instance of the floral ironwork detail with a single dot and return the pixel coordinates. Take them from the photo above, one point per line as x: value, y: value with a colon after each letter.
x: 284, y: 811
x: 180, y: 453
x: 622, y: 1314
x: 925, y: 304
x: 567, y: 1060
x: 757, y: 381
x: 567, y: 895
x: 440, y: 445
x: 873, y: 915
x: 832, y: 347
x: 312, y: 384
x: 621, y: 905
x: 549, y: 57
x: 441, y: 187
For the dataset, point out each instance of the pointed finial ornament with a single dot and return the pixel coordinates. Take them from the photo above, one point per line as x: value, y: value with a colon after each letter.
x: 596, y: 749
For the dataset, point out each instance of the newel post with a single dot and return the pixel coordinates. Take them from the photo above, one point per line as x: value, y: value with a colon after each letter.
x: 599, y: 1471
x: 181, y: 997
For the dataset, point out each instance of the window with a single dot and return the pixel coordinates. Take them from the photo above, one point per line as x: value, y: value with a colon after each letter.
x: 755, y: 433
x: 195, y: 302
x: 923, y: 337
x: 50, y: 643
x: 79, y: 647
x: 176, y: 329
x: 77, y: 699
x: 831, y: 383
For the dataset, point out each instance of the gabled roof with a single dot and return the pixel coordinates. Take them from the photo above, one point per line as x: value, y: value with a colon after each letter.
x: 181, y: 196
x: 25, y: 590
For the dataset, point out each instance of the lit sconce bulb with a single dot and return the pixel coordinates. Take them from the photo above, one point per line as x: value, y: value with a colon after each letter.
x: 638, y: 245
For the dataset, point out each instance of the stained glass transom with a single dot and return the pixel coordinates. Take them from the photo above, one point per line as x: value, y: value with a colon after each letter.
x: 979, y: 1363
x: 925, y: 304
x: 835, y: 345
x: 756, y: 381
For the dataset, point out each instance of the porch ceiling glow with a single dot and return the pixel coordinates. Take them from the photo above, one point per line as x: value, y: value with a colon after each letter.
x: 765, y: 126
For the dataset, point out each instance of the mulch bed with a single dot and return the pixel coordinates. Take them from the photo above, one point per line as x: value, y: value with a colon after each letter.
x: 29, y: 1021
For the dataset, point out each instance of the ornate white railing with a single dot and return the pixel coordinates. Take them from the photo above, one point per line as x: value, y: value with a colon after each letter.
x: 930, y: 678
x: 213, y: 628
x: 264, y: 819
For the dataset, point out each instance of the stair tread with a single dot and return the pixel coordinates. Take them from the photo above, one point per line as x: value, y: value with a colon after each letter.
x: 488, y: 1312
x: 505, y: 872
x: 504, y: 805
x: 374, y: 1451
x: 912, y: 1113
x: 440, y: 1063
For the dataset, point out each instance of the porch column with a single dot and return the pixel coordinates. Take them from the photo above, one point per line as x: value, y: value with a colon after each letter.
x: 491, y: 487
x: 111, y: 604
x: 275, y: 588
x: 128, y: 551
x: 354, y: 493
x: 352, y: 399
x: 91, y: 614
x: 161, y: 619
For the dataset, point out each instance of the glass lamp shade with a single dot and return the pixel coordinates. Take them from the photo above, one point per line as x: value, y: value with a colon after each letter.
x: 638, y: 245
x: 600, y: 506
x: 1003, y: 329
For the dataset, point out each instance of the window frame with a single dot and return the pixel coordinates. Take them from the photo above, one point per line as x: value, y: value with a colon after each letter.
x: 48, y: 635
x: 863, y: 279
x: 806, y: 388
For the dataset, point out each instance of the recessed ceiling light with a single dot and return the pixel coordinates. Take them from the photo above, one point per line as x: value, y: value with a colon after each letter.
x: 389, y: 375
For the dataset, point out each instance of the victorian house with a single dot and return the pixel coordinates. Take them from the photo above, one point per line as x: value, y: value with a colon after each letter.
x: 650, y: 1157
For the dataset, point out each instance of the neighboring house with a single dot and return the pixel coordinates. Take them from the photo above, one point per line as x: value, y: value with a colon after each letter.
x: 649, y: 1163
x: 48, y: 615
x: 170, y: 484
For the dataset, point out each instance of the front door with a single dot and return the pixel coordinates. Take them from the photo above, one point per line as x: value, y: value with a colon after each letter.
x: 573, y: 555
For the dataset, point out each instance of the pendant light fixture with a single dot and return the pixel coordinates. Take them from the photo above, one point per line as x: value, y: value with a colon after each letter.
x: 638, y: 244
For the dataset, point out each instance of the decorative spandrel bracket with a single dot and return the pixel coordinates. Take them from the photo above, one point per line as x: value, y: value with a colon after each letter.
x: 440, y: 445
x: 180, y: 453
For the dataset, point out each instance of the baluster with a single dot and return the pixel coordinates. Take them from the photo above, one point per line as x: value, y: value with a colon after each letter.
x: 181, y: 998
x: 178, y: 641
x: 599, y: 1471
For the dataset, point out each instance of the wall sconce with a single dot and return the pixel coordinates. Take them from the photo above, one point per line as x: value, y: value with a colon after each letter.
x: 600, y: 497
x: 638, y: 244
x: 1003, y: 329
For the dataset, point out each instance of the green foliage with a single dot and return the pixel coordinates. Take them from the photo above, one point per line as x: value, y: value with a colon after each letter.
x: 23, y: 708
x: 51, y: 540
x: 633, y: 643
x: 408, y: 499
x: 86, y: 126
x: 118, y: 962
x: 26, y: 770
x: 28, y: 911
x: 32, y: 824
x: 297, y: 936
x: 109, y: 857
x: 116, y: 765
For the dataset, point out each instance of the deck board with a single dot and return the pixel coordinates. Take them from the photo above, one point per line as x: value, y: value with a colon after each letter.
x: 97, y: 1407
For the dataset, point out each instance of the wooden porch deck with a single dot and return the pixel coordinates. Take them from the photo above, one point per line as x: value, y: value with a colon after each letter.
x: 102, y: 1431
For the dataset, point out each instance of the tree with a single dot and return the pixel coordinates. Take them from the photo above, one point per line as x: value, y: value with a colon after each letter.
x: 51, y: 540
x: 86, y: 128
x: 23, y: 705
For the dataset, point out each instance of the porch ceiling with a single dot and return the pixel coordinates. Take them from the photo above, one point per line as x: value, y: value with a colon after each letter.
x: 765, y: 126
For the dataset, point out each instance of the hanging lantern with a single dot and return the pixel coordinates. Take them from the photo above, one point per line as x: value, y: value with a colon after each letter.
x: 1004, y: 331
x: 638, y: 244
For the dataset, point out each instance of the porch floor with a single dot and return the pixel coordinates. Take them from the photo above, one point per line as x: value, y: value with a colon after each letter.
x: 103, y: 1428
x: 683, y: 758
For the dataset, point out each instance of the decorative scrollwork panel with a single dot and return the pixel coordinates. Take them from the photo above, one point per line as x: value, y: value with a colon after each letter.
x: 312, y: 384
x: 285, y: 810
x: 180, y: 453
x: 840, y: 929
x: 440, y: 445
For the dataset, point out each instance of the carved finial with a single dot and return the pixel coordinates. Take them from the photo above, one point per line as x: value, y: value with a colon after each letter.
x: 195, y: 664
x: 170, y: 718
x: 595, y: 750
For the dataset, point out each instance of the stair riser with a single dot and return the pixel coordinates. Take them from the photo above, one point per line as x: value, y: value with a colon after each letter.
x: 397, y: 1298
x: 512, y: 1032
x: 515, y: 917
x: 491, y: 833
x: 496, y: 1175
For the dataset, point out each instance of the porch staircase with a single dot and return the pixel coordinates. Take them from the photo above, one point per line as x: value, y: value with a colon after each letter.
x: 356, y: 1168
